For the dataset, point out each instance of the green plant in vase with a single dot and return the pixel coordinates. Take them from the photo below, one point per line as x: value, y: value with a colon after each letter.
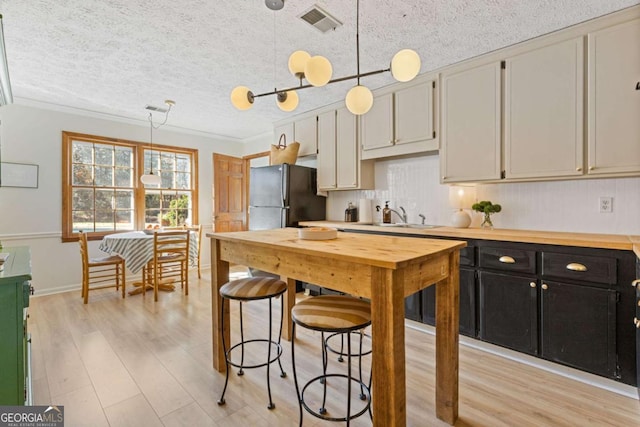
x: 487, y: 208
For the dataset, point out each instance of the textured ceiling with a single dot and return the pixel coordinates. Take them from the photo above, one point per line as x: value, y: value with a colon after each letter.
x: 117, y: 56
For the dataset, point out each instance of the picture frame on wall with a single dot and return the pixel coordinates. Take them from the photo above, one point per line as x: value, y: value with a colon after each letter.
x: 20, y: 175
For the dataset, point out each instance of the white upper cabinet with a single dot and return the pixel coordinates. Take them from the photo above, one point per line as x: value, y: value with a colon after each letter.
x: 377, y: 124
x: 339, y: 165
x: 302, y: 130
x: 543, y: 112
x: 471, y: 123
x: 326, y: 161
x: 401, y: 122
x: 614, y: 99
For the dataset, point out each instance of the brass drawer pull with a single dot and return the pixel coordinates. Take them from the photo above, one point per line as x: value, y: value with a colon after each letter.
x: 574, y: 266
x: 507, y: 259
x: 636, y: 283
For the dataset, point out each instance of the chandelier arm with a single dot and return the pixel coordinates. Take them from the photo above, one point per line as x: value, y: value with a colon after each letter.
x: 339, y: 79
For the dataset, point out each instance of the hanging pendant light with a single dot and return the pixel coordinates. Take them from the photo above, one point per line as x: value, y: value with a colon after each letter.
x: 318, y: 71
x: 152, y: 179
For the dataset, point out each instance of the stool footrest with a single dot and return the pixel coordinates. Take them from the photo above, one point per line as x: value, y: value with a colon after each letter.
x: 241, y: 366
x: 364, y: 388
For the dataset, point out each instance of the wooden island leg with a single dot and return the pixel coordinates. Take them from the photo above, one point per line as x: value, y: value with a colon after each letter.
x: 387, y: 333
x: 447, y: 320
x: 219, y: 276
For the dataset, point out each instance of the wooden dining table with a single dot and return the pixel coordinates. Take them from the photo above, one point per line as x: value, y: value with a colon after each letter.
x: 384, y: 269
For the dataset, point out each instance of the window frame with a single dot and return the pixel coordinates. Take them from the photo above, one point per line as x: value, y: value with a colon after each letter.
x: 138, y: 149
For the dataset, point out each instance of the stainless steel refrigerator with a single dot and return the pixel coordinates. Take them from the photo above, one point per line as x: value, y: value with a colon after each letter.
x: 283, y: 195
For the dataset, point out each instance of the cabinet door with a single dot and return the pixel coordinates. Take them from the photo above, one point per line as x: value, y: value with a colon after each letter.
x: 544, y: 112
x: 579, y: 327
x: 377, y: 124
x: 413, y: 306
x: 471, y: 123
x: 305, y: 134
x: 346, y: 150
x: 326, y: 160
x: 508, y: 311
x: 614, y: 99
x: 414, y: 114
x: 467, y: 303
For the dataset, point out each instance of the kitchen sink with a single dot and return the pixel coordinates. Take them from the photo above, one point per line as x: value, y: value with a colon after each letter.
x: 403, y: 225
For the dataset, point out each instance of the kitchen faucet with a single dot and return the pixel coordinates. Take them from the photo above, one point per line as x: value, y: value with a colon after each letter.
x: 422, y: 217
x: 403, y: 215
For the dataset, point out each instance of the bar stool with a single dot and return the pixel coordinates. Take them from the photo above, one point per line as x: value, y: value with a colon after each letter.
x: 339, y: 314
x: 245, y: 290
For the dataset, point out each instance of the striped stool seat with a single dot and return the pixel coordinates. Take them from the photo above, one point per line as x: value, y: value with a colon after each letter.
x: 244, y: 291
x: 253, y: 288
x: 332, y: 313
x: 337, y: 315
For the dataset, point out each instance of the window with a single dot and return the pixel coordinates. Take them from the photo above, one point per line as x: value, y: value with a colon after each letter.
x: 102, y: 192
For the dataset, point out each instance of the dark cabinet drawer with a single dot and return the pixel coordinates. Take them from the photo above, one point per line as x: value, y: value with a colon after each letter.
x: 516, y: 260
x: 579, y: 267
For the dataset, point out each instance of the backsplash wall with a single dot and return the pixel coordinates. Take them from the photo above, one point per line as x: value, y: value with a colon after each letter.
x: 570, y: 205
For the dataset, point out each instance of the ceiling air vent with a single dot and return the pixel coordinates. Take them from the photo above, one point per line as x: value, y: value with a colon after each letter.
x: 320, y: 19
x: 154, y: 108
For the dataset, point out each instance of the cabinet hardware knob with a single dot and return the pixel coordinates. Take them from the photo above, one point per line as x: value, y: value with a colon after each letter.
x: 575, y: 266
x: 636, y: 322
x: 578, y: 169
x: 545, y: 286
x: 507, y: 259
x: 591, y: 168
x: 532, y: 284
x: 636, y: 283
x: 444, y: 177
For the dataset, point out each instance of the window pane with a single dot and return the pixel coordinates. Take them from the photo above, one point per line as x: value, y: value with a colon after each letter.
x: 167, y: 198
x: 152, y: 200
x: 167, y: 180
x: 82, y: 152
x: 105, y: 220
x: 167, y: 162
x: 123, y: 177
x: 105, y: 200
x: 104, y: 176
x: 124, y: 157
x: 82, y: 199
x: 124, y: 220
x: 151, y: 216
x: 124, y: 199
x: 182, y: 181
x: 82, y: 175
x: 104, y: 154
x: 178, y: 211
x: 183, y: 163
x: 82, y: 220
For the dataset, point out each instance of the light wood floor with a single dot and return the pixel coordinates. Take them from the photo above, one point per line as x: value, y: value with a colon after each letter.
x: 134, y: 362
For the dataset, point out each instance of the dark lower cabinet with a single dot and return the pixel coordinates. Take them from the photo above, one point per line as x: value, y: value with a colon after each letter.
x: 508, y: 311
x: 579, y: 327
x: 467, y: 303
x: 413, y: 307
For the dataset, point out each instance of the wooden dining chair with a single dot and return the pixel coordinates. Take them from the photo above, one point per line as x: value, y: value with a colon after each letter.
x: 197, y: 230
x: 100, y: 270
x: 170, y: 260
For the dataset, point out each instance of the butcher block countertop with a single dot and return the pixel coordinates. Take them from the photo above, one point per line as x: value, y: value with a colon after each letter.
x: 587, y: 240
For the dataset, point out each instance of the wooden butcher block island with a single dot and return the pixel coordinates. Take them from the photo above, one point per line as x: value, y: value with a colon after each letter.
x: 384, y: 269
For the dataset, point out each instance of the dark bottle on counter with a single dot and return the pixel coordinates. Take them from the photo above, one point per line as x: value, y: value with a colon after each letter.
x: 386, y: 213
x: 351, y: 213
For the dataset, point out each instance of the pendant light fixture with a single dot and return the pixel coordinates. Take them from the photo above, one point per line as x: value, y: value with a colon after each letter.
x: 152, y: 179
x: 317, y: 71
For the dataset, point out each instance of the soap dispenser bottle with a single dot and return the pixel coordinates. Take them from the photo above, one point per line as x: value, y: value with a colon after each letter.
x: 386, y: 213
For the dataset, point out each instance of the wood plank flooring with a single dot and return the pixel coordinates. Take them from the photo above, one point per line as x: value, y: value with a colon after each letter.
x: 134, y: 362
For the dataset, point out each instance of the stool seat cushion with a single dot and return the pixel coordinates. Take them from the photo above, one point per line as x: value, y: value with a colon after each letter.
x: 253, y: 288
x: 336, y: 313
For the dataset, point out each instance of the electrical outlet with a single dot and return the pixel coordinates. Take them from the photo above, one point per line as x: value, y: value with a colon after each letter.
x: 606, y: 204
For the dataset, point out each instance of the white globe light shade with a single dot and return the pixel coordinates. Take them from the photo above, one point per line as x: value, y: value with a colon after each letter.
x: 297, y: 61
x: 240, y: 98
x: 359, y: 100
x: 405, y: 65
x: 318, y: 71
x: 151, y: 179
x: 290, y: 103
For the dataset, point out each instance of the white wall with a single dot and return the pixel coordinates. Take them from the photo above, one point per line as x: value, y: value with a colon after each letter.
x: 33, y: 217
x: 570, y: 205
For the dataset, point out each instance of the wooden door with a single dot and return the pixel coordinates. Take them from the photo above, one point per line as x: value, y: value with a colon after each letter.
x: 229, y: 194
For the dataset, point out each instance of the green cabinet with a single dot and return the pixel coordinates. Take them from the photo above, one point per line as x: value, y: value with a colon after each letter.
x: 15, y: 287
